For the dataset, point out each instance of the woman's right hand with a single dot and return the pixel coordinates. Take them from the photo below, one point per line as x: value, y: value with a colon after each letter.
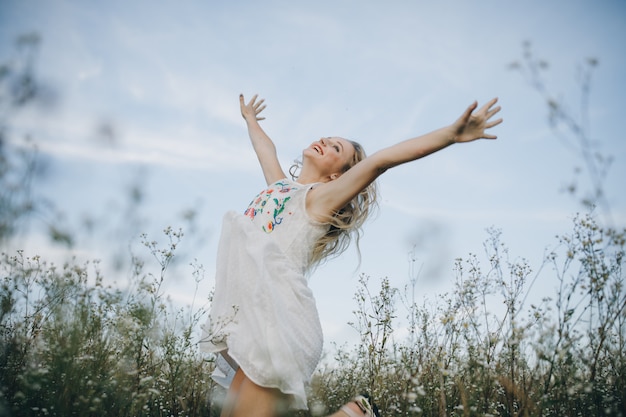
x: 251, y: 110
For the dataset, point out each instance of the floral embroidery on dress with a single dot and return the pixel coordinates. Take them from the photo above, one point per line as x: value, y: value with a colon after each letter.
x: 277, y: 196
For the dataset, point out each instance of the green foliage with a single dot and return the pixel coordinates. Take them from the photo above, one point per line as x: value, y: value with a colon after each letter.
x: 69, y: 345
x: 462, y: 357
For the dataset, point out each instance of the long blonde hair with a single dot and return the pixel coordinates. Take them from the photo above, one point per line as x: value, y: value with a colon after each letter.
x: 345, y: 224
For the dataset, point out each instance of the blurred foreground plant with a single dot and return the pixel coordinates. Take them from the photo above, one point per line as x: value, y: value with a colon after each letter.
x: 69, y: 345
x: 571, y: 125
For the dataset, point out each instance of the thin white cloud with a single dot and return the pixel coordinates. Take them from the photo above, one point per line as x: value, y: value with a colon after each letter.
x: 174, y: 151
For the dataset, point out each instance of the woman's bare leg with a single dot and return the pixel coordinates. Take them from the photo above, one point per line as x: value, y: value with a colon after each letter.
x: 256, y: 401
x: 247, y: 399
x: 232, y: 394
x: 253, y: 400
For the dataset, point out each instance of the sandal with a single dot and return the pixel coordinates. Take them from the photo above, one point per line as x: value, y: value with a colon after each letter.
x: 368, y: 408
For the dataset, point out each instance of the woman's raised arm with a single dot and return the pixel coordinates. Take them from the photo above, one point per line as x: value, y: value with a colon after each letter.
x: 472, y: 125
x: 262, y: 144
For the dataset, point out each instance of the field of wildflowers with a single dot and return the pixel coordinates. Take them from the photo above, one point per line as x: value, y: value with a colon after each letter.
x: 70, y: 345
x: 562, y: 357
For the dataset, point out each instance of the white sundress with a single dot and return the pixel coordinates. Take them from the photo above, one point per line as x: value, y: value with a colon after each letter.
x: 263, y: 313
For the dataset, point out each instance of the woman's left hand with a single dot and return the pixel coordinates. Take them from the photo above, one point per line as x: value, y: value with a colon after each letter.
x: 473, y: 125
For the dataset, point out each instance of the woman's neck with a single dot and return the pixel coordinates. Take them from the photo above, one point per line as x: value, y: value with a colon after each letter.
x: 310, y: 177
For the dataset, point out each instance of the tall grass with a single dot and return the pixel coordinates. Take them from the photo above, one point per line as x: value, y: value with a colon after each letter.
x: 70, y: 345
x: 485, y: 349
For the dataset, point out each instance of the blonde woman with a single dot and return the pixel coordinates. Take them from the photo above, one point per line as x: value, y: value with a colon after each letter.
x: 263, y: 324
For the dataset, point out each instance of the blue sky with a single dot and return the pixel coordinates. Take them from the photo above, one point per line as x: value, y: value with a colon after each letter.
x: 166, y: 76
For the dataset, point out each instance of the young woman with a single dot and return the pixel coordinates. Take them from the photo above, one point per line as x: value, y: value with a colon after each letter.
x: 263, y: 323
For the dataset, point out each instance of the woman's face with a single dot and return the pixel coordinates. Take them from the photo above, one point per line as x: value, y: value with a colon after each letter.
x: 330, y: 155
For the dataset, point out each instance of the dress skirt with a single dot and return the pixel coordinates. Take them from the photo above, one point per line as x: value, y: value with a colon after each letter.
x: 263, y: 313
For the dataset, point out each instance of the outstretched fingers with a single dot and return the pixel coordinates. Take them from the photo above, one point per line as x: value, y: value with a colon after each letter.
x: 468, y: 112
x: 475, y: 121
x: 489, y: 136
x: 258, y: 107
x: 488, y: 105
x: 490, y: 111
x: 494, y: 123
x: 489, y: 126
x: 253, y: 108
